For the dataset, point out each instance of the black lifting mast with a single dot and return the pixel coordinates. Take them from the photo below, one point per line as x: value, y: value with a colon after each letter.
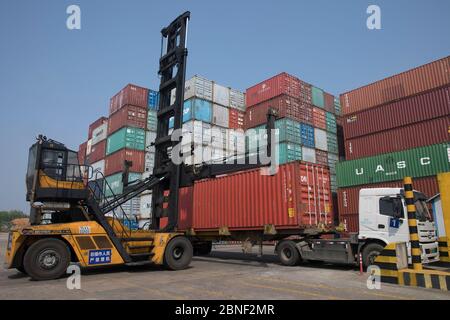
x: 172, y: 70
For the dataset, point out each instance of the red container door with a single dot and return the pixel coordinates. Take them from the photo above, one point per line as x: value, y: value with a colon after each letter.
x: 94, y: 125
x: 128, y: 116
x: 131, y: 94
x: 114, y: 162
x: 97, y: 152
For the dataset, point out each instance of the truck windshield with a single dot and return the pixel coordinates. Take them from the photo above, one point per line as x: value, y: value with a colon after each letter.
x: 422, y: 213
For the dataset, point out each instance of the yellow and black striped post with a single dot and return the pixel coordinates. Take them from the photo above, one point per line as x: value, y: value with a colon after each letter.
x: 412, y: 223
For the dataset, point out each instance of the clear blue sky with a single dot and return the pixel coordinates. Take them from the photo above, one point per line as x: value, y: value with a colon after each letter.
x: 56, y: 81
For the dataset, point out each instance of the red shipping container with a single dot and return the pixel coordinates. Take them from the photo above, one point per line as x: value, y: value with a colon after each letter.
x: 127, y: 116
x: 288, y: 107
x: 403, y: 138
x: 282, y: 83
x: 131, y: 94
x: 429, y: 76
x: 329, y: 102
x: 319, y: 118
x: 97, y: 152
x: 348, y: 198
x: 322, y: 157
x: 297, y: 197
x: 94, y: 125
x: 430, y: 105
x: 236, y: 119
x: 82, y: 153
x: 114, y: 162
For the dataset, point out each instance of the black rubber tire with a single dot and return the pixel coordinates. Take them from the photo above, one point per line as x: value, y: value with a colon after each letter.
x: 370, y: 252
x: 203, y: 249
x: 288, y: 253
x: 57, y: 249
x: 178, y: 253
x: 21, y: 269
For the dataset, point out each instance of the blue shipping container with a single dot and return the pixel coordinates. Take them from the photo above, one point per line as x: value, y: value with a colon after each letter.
x: 153, y: 100
x: 195, y: 109
x: 307, y: 133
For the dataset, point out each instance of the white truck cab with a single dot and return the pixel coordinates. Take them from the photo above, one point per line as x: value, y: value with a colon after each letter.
x: 383, y: 217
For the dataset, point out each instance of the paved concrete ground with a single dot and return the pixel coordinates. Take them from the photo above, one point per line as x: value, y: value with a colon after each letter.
x: 225, y: 274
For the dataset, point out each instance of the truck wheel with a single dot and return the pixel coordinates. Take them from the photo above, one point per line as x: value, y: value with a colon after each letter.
x: 46, y: 259
x: 288, y: 253
x: 21, y: 269
x: 178, y: 253
x: 370, y: 252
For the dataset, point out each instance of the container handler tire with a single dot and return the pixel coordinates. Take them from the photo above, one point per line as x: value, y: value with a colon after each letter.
x: 288, y: 253
x: 178, y: 253
x: 46, y: 259
x: 370, y: 252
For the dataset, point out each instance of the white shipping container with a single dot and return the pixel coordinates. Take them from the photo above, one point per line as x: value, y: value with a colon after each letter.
x: 218, y: 137
x: 98, y: 166
x: 237, y: 99
x: 235, y: 141
x: 308, y: 154
x: 221, y: 95
x: 100, y: 133
x: 198, y: 87
x: 196, y: 132
x: 144, y: 224
x: 149, y: 161
x: 89, y: 147
x: 220, y: 115
x: 132, y: 207
x: 320, y: 137
x: 150, y: 137
x: 146, y: 206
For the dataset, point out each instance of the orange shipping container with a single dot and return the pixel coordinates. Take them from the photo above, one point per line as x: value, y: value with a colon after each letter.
x: 114, y: 162
x: 429, y: 76
x: 295, y: 198
x: 235, y: 119
x: 319, y: 118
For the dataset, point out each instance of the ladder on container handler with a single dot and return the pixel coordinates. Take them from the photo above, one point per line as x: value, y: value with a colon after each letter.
x: 172, y: 70
x: 103, y: 202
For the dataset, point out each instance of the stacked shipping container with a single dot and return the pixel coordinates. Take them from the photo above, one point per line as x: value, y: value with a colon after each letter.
x: 308, y: 125
x: 213, y: 120
x: 395, y: 127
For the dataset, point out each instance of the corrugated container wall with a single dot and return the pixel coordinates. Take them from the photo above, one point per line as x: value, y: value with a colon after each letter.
x: 130, y: 138
x: 429, y: 76
x: 100, y: 133
x: 399, y: 139
x: 282, y: 83
x: 221, y: 95
x: 127, y: 116
x: 114, y: 185
x: 98, y: 152
x: 317, y: 97
x: 297, y: 197
x: 287, y: 106
x: 418, y: 162
x: 197, y: 109
x: 82, y: 153
x: 131, y: 94
x: 220, y: 115
x: 237, y: 100
x: 114, y: 162
x: 198, y: 87
x: 153, y: 100
x: 236, y: 119
x: 426, y: 106
x: 348, y: 198
x: 97, y: 123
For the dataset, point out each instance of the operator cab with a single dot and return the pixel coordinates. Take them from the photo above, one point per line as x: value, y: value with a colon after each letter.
x: 54, y: 180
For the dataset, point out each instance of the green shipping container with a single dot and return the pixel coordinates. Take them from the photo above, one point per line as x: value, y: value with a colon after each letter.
x: 131, y: 138
x: 115, y: 183
x: 317, y: 97
x: 332, y: 143
x: 331, y: 122
x: 152, y: 120
x: 416, y: 163
x: 337, y: 106
x: 288, y: 152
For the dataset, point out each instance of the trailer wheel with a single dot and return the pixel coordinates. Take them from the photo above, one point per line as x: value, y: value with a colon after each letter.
x: 46, y: 259
x: 288, y: 253
x: 178, y: 253
x: 370, y: 252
